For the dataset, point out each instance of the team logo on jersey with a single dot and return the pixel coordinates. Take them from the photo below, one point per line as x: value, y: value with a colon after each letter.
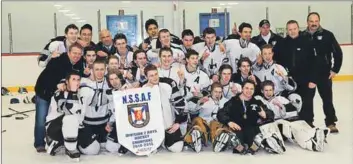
x: 139, y: 115
x: 274, y: 43
x: 319, y: 37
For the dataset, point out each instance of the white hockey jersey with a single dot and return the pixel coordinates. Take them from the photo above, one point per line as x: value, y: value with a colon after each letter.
x: 286, y: 110
x: 173, y: 103
x: 97, y: 102
x: 216, y: 58
x: 235, y: 52
x: 227, y: 90
x: 270, y: 72
x: 208, y: 110
x: 153, y: 54
x: 128, y: 59
x: 65, y: 103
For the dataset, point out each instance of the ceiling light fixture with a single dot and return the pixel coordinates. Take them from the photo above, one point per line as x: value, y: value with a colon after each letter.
x: 70, y: 15
x: 80, y: 21
x: 76, y: 18
x: 233, y: 3
x: 64, y: 11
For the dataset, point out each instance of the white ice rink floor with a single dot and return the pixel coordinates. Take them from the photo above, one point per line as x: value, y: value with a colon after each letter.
x: 17, y: 142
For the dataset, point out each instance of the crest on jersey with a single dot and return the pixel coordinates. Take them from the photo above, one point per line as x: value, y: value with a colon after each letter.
x: 139, y: 115
x: 274, y: 43
x: 319, y: 37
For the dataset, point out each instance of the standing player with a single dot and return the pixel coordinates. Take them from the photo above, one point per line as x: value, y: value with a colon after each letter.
x: 164, y: 37
x: 326, y: 48
x: 267, y: 69
x: 230, y: 88
x: 211, y: 56
x: 122, y: 51
x: 237, y: 49
x: 64, y: 118
x: 173, y: 108
x: 89, y: 57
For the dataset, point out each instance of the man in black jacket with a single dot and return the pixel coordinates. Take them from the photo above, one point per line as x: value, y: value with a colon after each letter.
x: 326, y: 47
x: 298, y: 57
x: 266, y: 36
x: 48, y: 82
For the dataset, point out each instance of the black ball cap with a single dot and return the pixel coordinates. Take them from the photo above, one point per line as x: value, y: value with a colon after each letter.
x: 263, y: 22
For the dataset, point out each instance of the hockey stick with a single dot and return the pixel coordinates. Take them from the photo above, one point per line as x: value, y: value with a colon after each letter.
x: 10, y: 115
x: 18, y: 112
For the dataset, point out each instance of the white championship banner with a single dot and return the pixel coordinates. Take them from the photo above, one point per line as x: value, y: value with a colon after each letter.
x: 139, y: 119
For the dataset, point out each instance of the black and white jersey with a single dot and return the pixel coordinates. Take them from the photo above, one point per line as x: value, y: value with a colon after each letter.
x: 55, y: 44
x: 97, y: 102
x: 216, y: 58
x: 227, y: 90
x: 285, y: 110
x: 208, y: 110
x: 172, y: 72
x: 173, y: 103
x: 269, y: 71
x: 65, y: 103
x: 127, y: 60
x: 235, y: 52
x: 153, y: 54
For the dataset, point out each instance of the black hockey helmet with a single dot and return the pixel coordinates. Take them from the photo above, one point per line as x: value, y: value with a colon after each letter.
x: 22, y: 90
x: 4, y: 91
x: 14, y: 101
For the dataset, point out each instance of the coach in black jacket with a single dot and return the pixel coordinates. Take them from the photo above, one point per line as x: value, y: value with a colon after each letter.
x: 266, y: 36
x: 326, y: 47
x: 298, y: 57
x: 47, y: 84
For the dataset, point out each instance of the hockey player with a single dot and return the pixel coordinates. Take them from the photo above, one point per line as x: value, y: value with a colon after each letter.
x: 112, y: 144
x: 58, y: 45
x: 230, y: 89
x: 266, y: 69
x: 244, y: 74
x: 151, y: 27
x: 164, y: 37
x: 242, y: 114
x: 122, y: 51
x: 89, y: 57
x: 205, y: 125
x: 188, y: 40
x: 95, y: 95
x: 286, y: 113
x: 64, y: 118
x: 170, y: 70
x: 237, y: 49
x: 173, y: 108
x: 211, y: 56
x: 197, y: 82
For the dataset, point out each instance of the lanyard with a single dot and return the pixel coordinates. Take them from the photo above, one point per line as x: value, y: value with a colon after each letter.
x: 244, y: 106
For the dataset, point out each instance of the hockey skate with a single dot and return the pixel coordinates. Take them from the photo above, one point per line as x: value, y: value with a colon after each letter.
x: 236, y: 144
x: 196, y: 140
x: 54, y: 147
x: 74, y: 155
x: 274, y: 145
x: 122, y: 150
x: 318, y: 140
x: 221, y: 142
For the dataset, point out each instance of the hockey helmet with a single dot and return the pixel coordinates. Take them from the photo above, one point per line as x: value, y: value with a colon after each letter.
x: 22, y: 90
x: 14, y: 101
x: 4, y: 91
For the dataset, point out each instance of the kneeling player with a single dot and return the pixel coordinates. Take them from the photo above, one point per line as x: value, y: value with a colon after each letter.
x: 292, y: 128
x: 242, y: 113
x: 205, y: 125
x: 64, y: 118
x: 112, y: 144
x: 173, y: 108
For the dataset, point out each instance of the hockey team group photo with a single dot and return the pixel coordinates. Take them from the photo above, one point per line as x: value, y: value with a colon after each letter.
x: 238, y: 92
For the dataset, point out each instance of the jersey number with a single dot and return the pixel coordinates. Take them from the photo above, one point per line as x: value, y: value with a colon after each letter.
x: 197, y: 79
